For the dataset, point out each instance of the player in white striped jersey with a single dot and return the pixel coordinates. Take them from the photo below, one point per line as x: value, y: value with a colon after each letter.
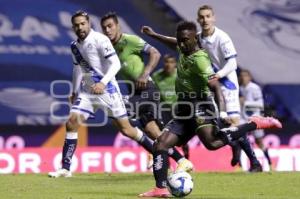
x: 222, y: 52
x: 94, y: 86
x: 252, y: 104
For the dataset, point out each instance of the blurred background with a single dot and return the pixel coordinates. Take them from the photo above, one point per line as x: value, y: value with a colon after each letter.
x: 36, y: 69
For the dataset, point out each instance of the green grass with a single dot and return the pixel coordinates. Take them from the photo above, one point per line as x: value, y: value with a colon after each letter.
x: 124, y: 186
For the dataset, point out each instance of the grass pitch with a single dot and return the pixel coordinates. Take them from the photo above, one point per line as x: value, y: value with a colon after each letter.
x: 126, y: 186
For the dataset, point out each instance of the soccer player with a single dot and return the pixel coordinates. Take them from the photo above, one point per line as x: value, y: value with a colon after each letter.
x: 252, y: 104
x: 94, y: 86
x: 164, y: 79
x: 194, y: 107
x: 130, y: 49
x: 221, y: 50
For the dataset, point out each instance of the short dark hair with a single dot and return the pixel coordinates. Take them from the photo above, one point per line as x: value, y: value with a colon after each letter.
x: 112, y: 15
x: 245, y: 71
x: 80, y: 13
x: 205, y: 7
x: 186, y: 25
x: 169, y: 56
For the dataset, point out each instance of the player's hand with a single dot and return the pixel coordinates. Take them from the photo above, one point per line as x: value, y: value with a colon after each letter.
x: 98, y: 88
x: 147, y: 30
x: 225, y: 119
x: 141, y: 82
x: 213, y: 78
x: 72, y: 98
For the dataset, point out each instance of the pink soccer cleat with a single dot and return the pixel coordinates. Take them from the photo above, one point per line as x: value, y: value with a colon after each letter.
x: 266, y: 122
x: 157, y: 193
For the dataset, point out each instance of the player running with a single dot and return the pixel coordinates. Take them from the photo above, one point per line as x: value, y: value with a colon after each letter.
x: 94, y: 86
x: 195, y: 107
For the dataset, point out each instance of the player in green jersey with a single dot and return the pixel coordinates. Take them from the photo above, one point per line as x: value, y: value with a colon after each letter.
x: 144, y: 100
x: 196, y: 109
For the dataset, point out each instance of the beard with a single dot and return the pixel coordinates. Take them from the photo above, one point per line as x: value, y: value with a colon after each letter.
x: 81, y: 35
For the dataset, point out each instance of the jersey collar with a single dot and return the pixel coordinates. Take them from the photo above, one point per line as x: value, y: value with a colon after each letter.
x: 211, y: 38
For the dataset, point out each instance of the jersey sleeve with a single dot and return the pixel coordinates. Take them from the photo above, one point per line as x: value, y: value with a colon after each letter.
x: 138, y: 45
x: 202, y: 66
x: 227, y: 47
x: 105, y: 48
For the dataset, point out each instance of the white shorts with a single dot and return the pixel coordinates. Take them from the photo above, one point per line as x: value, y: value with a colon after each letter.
x: 112, y: 105
x: 232, y: 101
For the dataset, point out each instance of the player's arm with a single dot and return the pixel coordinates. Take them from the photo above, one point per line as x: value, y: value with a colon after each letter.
x: 154, y: 56
x: 229, y: 53
x: 113, y: 64
x: 76, y: 80
x: 168, y: 41
x: 231, y: 65
x: 216, y: 88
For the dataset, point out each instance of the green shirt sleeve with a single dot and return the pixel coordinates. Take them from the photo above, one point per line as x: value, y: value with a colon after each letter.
x: 137, y: 44
x: 202, y: 66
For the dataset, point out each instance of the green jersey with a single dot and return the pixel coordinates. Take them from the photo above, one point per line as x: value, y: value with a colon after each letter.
x: 129, y: 49
x: 193, y: 72
x: 166, y: 85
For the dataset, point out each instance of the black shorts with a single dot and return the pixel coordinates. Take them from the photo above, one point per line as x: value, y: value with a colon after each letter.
x: 144, y: 104
x: 191, y: 117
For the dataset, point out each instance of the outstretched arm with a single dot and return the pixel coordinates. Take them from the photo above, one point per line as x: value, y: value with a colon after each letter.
x: 169, y: 41
x: 215, y: 87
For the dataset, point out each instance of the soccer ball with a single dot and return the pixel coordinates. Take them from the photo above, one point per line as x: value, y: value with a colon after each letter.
x: 180, y: 184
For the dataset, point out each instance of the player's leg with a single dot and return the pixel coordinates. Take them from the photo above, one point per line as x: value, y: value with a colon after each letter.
x: 118, y: 113
x: 168, y: 139
x: 186, y: 151
x: 183, y: 163
x: 214, y: 138
x: 80, y: 111
x: 235, y: 146
x: 259, y: 134
x: 136, y: 134
x: 232, y: 103
x: 244, y: 143
x: 147, y: 112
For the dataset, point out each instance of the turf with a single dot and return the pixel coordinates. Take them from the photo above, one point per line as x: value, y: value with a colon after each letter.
x: 124, y: 186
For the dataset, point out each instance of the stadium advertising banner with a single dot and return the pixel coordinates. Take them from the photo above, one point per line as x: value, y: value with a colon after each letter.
x: 127, y: 160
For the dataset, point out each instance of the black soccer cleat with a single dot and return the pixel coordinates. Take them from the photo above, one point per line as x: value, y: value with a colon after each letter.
x: 254, y: 168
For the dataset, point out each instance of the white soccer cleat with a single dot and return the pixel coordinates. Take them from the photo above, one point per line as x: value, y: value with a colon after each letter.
x: 60, y: 173
x: 184, y: 165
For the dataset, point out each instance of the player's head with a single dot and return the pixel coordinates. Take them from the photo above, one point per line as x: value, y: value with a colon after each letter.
x: 206, y: 18
x: 169, y: 64
x: 186, y: 34
x: 110, y: 26
x: 245, y: 77
x: 81, y: 24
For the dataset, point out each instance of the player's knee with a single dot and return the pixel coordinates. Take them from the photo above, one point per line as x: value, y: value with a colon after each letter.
x: 72, y: 124
x: 211, y: 146
x: 160, y: 145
